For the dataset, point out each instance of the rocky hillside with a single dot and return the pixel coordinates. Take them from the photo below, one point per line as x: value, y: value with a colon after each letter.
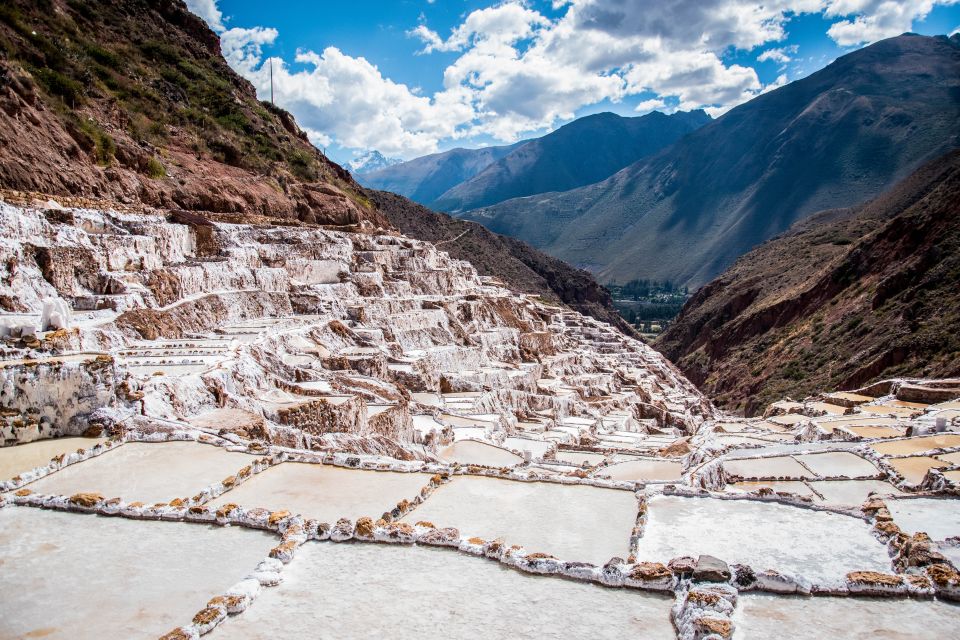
x: 132, y: 101
x: 832, y: 139
x: 148, y: 112
x: 844, y: 298
x: 587, y: 150
x: 518, y: 265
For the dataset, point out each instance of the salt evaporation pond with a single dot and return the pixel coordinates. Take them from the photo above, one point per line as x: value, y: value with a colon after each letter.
x: 915, y: 468
x: 20, y: 458
x: 67, y: 575
x: 580, y: 457
x: 820, y: 546
x: 574, y: 523
x: 473, y: 452
x: 938, y: 518
x: 146, y: 472
x: 851, y: 492
x: 382, y: 591
x: 777, y: 467
x: 838, y: 463
x: 644, y: 469
x: 815, y: 618
x: 325, y: 492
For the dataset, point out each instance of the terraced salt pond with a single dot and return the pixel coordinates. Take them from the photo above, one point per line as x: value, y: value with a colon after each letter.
x: 473, y: 452
x: 809, y: 618
x: 917, y: 445
x: 580, y: 457
x: 75, y: 576
x: 851, y: 492
x: 24, y: 457
x: 822, y: 547
x: 838, y: 463
x: 146, y: 472
x: 938, y: 518
x: 331, y: 590
x: 577, y: 523
x: 913, y: 469
x: 325, y: 492
x: 644, y: 470
x: 777, y: 467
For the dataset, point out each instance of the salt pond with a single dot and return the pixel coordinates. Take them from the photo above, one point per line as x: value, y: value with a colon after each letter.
x: 76, y: 576
x: 644, y: 469
x: 838, y: 463
x: 777, y: 467
x: 473, y: 452
x: 24, y: 457
x: 808, y: 618
x: 817, y: 545
x: 146, y: 472
x: 571, y: 522
x: 938, y: 518
x: 380, y: 591
x: 325, y: 492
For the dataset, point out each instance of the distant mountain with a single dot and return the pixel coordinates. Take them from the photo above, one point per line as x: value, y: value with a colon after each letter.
x: 584, y: 151
x: 844, y: 298
x: 830, y: 140
x: 514, y: 262
x: 371, y: 161
x: 424, y: 179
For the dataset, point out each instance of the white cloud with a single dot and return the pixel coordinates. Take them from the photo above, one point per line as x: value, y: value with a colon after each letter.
x: 209, y: 11
x: 779, y: 55
x: 871, y: 20
x: 517, y: 71
x: 653, y: 104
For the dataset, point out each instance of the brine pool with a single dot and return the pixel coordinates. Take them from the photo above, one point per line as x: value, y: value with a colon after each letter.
x: 820, y: 546
x: 74, y: 576
x: 20, y: 458
x: 325, y: 492
x: 574, y: 523
x: 382, y: 591
x: 815, y: 618
x: 146, y: 472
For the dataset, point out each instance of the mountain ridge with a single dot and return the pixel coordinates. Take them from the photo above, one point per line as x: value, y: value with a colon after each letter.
x: 842, y: 299
x: 832, y: 139
x: 581, y: 152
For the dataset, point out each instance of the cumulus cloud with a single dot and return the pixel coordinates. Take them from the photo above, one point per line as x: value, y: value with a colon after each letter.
x: 517, y: 71
x: 872, y: 20
x: 779, y: 55
x: 209, y: 11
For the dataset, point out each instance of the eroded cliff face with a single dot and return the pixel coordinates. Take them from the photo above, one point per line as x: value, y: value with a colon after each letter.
x: 308, y: 337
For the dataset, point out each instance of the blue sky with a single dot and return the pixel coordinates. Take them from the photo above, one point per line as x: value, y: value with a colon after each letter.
x: 410, y: 77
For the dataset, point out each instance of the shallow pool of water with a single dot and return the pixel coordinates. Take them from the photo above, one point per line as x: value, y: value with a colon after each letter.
x: 838, y: 463
x: 851, y: 492
x: 579, y: 457
x: 807, y: 618
x: 146, y: 472
x: 914, y: 469
x: 916, y: 445
x: 644, y: 469
x: 790, y: 486
x: 776, y: 467
x: 67, y: 575
x: 937, y: 517
x: 818, y: 545
x: 380, y: 591
x: 473, y: 452
x: 579, y: 523
x: 24, y: 457
x: 325, y: 492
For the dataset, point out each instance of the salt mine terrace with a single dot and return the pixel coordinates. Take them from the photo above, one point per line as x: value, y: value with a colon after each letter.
x: 238, y: 441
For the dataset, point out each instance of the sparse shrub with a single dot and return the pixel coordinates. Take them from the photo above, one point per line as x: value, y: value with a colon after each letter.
x: 155, y: 169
